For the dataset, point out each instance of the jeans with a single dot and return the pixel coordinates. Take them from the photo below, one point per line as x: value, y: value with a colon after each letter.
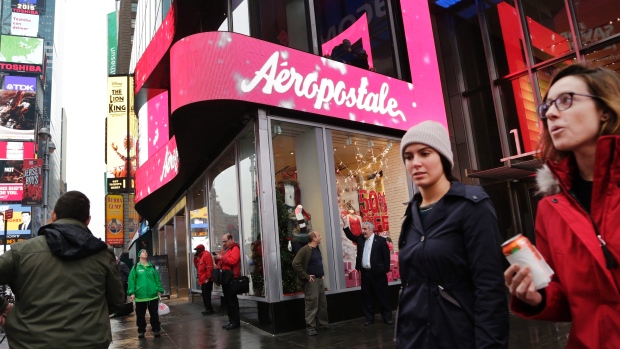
x: 206, y: 295
x: 141, y: 312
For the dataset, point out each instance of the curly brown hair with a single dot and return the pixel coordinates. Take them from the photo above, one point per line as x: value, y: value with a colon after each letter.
x: 601, y: 82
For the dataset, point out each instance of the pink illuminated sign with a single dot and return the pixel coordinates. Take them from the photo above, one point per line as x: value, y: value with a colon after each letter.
x: 357, y: 31
x: 159, y: 169
x: 229, y: 66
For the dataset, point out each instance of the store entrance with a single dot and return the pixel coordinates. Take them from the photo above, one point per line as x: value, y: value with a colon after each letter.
x: 524, y: 203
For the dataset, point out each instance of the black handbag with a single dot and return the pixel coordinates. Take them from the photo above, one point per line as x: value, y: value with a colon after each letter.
x: 240, y: 285
x: 222, y: 276
x: 217, y: 276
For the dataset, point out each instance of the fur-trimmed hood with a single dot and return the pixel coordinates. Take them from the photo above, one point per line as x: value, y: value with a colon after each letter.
x: 546, y: 181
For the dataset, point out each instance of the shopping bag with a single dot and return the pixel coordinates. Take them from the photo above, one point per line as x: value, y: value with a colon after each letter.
x: 162, y: 309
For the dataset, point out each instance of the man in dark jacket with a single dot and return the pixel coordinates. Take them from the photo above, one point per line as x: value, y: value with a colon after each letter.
x: 308, y: 265
x: 373, y: 262
x: 66, y: 283
x: 124, y: 270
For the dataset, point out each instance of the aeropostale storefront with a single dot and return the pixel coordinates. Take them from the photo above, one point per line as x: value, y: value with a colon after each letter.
x: 259, y: 129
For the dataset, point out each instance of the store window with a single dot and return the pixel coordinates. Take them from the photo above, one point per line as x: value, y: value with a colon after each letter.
x: 506, y: 39
x: 223, y: 200
x: 549, y: 28
x: 297, y: 169
x: 250, y: 213
x: 372, y: 187
x: 284, y: 22
x: 241, y: 17
x: 595, y: 24
x: 608, y: 57
x: 545, y: 75
x: 357, y: 33
x: 521, y: 118
x: 198, y: 225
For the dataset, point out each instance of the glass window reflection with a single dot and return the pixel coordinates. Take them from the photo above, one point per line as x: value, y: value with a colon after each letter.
x: 608, y: 57
x: 506, y: 39
x: 357, y: 33
x: 549, y: 29
x: 250, y: 213
x: 283, y: 22
x: 597, y: 20
x: 198, y: 224
x: 521, y: 117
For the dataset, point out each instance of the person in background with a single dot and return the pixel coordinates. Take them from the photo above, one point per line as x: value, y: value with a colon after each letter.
x: 373, y: 262
x: 230, y: 259
x: 124, y: 271
x: 449, y: 254
x: 66, y: 283
x: 578, y: 221
x: 145, y: 289
x: 203, y: 261
x: 308, y: 265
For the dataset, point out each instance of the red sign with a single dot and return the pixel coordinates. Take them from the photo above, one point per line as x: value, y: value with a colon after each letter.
x: 21, y: 67
x: 33, y: 182
x: 8, y: 214
x: 159, y: 169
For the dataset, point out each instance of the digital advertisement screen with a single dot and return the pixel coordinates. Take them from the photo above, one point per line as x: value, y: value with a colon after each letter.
x: 19, y: 83
x: 21, y: 49
x: 160, y: 169
x: 153, y: 126
x: 11, y: 186
x: 35, y: 7
x: 119, y: 163
x: 17, y: 115
x: 114, y: 209
x: 16, y: 150
x: 19, y: 227
x: 24, y: 24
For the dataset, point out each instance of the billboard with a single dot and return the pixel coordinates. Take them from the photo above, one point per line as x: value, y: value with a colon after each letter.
x: 120, y: 148
x: 17, y: 115
x: 160, y: 169
x: 33, y: 182
x: 11, y: 186
x: 21, y: 49
x: 16, y: 150
x: 20, y: 83
x: 153, y: 132
x: 112, y: 42
x: 205, y: 67
x: 19, y: 226
x: 24, y: 24
x: 114, y: 207
x: 33, y: 7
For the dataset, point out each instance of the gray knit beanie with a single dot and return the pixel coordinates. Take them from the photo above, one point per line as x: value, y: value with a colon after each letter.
x: 432, y: 134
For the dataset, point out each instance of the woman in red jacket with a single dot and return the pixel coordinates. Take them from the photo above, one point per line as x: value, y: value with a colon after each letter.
x: 578, y: 221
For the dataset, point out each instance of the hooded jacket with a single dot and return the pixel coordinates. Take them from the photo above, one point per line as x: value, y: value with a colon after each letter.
x: 144, y: 282
x: 583, y: 290
x: 204, y: 266
x: 66, y: 283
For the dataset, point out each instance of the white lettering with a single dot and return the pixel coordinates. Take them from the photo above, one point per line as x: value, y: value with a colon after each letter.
x: 323, y: 91
x: 171, y: 162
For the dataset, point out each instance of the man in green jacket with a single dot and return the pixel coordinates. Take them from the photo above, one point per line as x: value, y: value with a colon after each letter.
x: 65, y: 282
x: 145, y: 289
x: 308, y: 264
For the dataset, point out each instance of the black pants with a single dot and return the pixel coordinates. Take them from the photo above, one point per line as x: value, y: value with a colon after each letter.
x: 206, y: 295
x: 141, y: 312
x: 375, y: 287
x: 232, y: 305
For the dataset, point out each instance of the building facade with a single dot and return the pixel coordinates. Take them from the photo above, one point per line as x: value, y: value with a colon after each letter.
x: 277, y: 104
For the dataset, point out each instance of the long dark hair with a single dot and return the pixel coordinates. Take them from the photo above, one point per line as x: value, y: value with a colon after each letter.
x: 447, y: 169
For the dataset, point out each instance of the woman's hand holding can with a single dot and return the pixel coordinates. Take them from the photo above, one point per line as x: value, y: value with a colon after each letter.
x: 520, y: 283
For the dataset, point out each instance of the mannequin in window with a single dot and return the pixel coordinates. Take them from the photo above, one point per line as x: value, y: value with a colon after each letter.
x: 289, y: 188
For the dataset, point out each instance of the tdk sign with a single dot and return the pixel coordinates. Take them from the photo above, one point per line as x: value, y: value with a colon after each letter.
x: 19, y: 83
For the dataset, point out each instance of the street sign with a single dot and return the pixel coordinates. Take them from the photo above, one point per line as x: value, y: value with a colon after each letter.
x: 8, y: 214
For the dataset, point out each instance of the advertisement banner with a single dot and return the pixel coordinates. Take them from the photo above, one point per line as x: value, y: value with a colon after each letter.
x: 19, y: 227
x: 153, y: 126
x: 16, y: 150
x: 112, y: 42
x: 33, y: 7
x: 118, y: 163
x: 11, y: 186
x: 160, y: 169
x: 21, y: 49
x: 24, y: 24
x: 291, y: 79
x: 17, y: 115
x: 20, y: 83
x: 114, y: 207
x: 33, y: 182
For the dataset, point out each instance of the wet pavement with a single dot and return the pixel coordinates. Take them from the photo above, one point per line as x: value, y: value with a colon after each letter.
x: 185, y: 327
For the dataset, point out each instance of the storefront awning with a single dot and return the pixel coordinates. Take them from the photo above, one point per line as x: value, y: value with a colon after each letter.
x: 513, y: 170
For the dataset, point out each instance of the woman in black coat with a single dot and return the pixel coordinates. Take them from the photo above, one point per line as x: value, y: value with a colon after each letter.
x: 449, y: 254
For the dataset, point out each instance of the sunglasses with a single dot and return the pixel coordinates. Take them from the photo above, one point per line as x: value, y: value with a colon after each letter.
x: 563, y: 102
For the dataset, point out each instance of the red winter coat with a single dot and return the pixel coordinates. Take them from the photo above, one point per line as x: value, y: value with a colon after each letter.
x: 231, y: 259
x: 582, y: 290
x: 204, y: 266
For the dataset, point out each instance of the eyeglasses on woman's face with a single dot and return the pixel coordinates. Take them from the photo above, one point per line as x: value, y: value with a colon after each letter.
x: 563, y: 102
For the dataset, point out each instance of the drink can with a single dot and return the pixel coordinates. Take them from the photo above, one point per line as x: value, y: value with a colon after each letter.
x: 519, y: 250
